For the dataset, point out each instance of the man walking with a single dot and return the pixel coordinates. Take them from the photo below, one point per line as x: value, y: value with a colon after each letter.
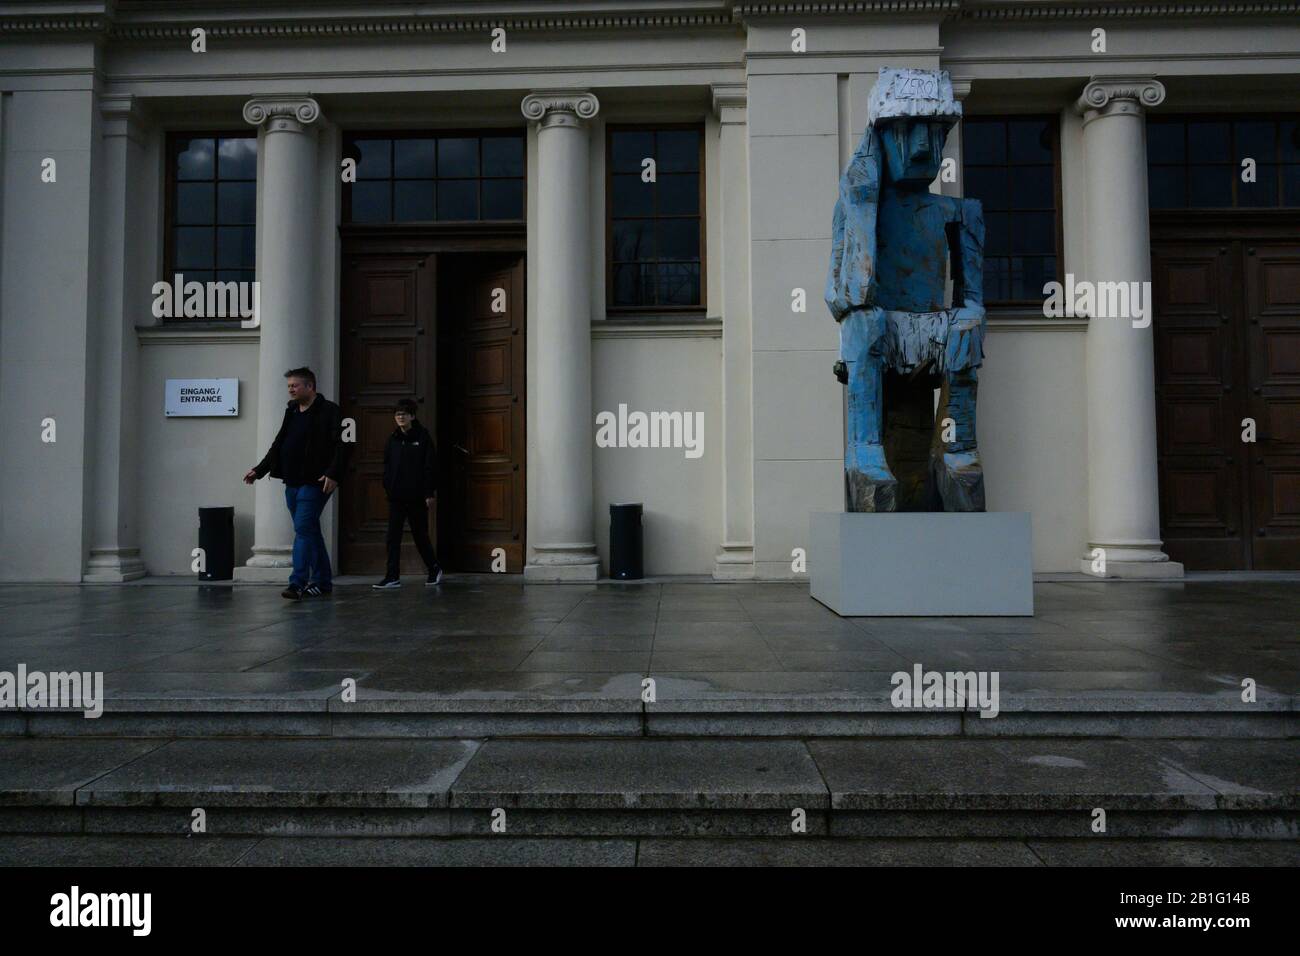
x: 309, y: 455
x: 411, y: 482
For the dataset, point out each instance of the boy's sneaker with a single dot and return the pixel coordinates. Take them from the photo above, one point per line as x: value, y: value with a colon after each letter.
x: 387, y: 584
x: 292, y: 592
x: 315, y: 590
x: 435, y: 577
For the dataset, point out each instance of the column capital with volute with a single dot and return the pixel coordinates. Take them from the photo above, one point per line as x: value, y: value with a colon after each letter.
x: 1111, y: 95
x: 560, y: 107
x: 293, y: 113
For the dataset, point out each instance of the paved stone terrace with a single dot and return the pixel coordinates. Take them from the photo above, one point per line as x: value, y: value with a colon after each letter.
x: 480, y: 637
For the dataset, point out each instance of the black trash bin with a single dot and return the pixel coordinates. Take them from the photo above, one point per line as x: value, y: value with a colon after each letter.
x: 217, y: 539
x: 625, y: 542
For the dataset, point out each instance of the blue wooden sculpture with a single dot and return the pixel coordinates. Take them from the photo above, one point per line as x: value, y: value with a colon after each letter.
x: 899, y: 337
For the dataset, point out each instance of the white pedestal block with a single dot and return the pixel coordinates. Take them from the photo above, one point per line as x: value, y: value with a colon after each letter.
x: 922, y: 563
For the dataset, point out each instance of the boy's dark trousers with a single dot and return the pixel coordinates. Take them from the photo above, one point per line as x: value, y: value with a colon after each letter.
x: 416, y: 513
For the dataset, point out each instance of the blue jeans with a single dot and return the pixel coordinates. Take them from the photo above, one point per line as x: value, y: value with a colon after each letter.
x: 311, y: 562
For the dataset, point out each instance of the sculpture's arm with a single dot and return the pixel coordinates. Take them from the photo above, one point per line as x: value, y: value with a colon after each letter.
x: 969, y: 291
x: 965, y: 341
x: 850, y: 280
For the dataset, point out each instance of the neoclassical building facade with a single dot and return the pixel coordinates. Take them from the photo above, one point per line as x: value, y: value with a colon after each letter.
x: 532, y: 215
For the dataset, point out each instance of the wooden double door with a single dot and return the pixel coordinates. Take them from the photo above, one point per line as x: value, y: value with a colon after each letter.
x: 1227, y: 337
x: 425, y: 319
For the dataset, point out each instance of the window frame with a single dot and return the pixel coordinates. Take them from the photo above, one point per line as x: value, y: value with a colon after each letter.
x: 481, y: 132
x: 171, y: 139
x: 621, y: 311
x: 1053, y: 121
x: 1273, y: 116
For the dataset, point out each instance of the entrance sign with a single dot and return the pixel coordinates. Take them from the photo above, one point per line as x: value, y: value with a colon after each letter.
x: 202, y: 397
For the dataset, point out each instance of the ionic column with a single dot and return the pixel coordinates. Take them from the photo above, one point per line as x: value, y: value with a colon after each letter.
x: 286, y: 243
x: 562, y: 520
x: 1123, y: 496
x: 735, y: 557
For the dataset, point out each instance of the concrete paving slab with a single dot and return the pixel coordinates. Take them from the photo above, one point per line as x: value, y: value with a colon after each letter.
x: 90, y: 850
x: 468, y: 851
x: 1104, y: 852
x: 49, y: 772
x: 314, y: 659
x: 586, y: 661
x: 678, y: 661
x: 1004, y: 774
x: 814, y: 851
x: 286, y: 773
x: 842, y: 660
x: 641, y: 773
x: 282, y: 690
x: 1108, y: 691
x: 476, y: 692
x: 775, y: 691
x: 596, y: 642
x: 1247, y: 774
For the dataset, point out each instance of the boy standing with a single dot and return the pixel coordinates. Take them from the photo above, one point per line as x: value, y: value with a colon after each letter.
x: 411, y: 483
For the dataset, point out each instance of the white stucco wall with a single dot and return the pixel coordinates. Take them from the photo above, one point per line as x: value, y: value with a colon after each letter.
x: 193, y: 463
x: 682, y: 521
x: 1033, y: 426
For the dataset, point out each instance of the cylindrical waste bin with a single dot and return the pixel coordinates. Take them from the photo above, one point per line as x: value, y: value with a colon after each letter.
x: 625, y: 542
x: 217, y: 539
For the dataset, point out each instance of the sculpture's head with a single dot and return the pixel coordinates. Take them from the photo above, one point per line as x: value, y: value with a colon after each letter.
x: 913, y: 150
x: 912, y: 111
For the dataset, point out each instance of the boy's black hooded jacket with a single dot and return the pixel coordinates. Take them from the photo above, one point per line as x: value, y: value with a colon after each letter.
x: 325, y: 452
x: 410, y: 464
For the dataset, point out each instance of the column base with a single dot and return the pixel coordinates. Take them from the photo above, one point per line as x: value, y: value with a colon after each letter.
x: 558, y: 563
x: 734, y: 561
x: 113, y: 566
x: 251, y: 575
x: 267, y: 565
x: 1142, y: 561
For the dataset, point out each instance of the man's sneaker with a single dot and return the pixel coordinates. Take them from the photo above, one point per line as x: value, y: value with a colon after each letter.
x: 435, y: 577
x: 292, y: 592
x: 315, y: 590
x: 387, y: 584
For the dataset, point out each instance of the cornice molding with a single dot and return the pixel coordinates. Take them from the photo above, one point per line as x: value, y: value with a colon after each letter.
x: 1108, y: 95
x: 143, y: 25
x: 1048, y: 10
x: 282, y: 112
x: 40, y: 24
x: 559, y: 107
x: 748, y: 11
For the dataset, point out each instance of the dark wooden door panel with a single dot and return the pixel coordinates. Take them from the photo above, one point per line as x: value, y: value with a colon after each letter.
x: 481, y: 410
x: 1198, y: 384
x: 1272, y: 333
x: 388, y: 307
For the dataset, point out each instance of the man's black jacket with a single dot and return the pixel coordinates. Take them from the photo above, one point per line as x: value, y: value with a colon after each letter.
x: 326, y: 452
x: 410, y: 464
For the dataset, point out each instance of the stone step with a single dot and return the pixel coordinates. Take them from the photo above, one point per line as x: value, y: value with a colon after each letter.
x: 759, y: 704
x: 119, y: 850
x: 951, y: 788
